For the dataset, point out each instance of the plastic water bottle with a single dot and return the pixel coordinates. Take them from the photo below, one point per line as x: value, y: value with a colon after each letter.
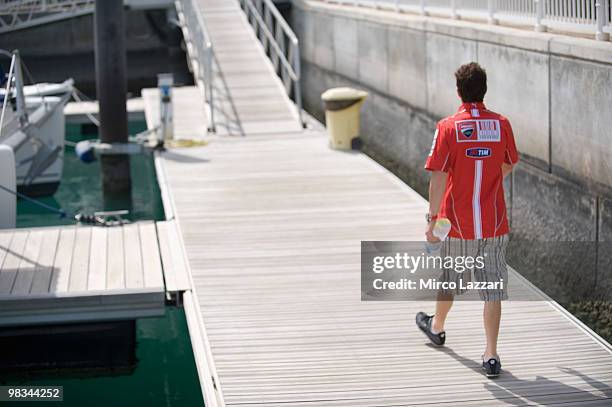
x: 440, y: 230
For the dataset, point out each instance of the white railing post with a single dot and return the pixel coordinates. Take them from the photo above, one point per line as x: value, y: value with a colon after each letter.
x: 491, y: 11
x: 397, y: 6
x: 209, y: 86
x: 200, y: 49
x: 297, y: 86
x: 423, y: 10
x: 20, y: 98
x: 454, y: 9
x: 601, y: 8
x: 539, y: 6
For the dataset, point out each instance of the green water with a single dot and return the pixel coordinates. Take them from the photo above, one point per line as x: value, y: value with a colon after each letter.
x: 80, y: 189
x: 166, y: 374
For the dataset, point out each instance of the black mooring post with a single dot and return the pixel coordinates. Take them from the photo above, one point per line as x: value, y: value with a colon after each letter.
x: 111, y: 88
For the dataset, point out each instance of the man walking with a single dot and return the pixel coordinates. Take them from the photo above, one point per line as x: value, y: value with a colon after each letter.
x: 472, y: 151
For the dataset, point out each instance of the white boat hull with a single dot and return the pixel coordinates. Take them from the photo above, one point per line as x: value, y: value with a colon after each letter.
x: 39, y: 160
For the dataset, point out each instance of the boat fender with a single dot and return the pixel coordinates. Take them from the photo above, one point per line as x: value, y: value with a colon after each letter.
x: 85, y: 150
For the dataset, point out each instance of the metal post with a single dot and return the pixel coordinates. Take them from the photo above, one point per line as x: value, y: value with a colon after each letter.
x: 20, y: 98
x: 601, y: 8
x: 423, y: 11
x: 176, y: 56
x: 297, y: 86
x: 454, y: 14
x: 165, y: 81
x: 111, y: 87
x: 491, y: 10
x: 397, y: 6
x: 539, y: 6
x: 209, y: 90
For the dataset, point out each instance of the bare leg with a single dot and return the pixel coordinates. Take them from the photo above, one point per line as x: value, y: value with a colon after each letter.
x: 492, y: 317
x: 444, y: 302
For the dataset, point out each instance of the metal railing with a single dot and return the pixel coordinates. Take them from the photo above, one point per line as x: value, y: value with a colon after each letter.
x: 200, y: 50
x: 41, y: 6
x: 280, y: 44
x: 19, y: 14
x: 580, y: 16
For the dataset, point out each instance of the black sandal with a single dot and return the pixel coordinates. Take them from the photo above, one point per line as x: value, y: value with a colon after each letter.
x: 423, y: 322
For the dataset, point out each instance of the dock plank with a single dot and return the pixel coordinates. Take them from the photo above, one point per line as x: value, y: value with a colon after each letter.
x: 98, y: 259
x: 151, y: 262
x: 79, y: 269
x: 29, y: 263
x: 12, y: 261
x: 115, y: 277
x: 166, y: 256
x: 133, y: 257
x: 44, y: 271
x: 63, y: 261
x: 175, y: 268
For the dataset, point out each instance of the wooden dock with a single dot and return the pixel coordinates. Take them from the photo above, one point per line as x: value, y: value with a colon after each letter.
x: 272, y: 229
x: 80, y: 273
x: 271, y: 225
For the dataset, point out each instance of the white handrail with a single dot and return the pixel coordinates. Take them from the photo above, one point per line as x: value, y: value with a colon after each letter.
x: 200, y: 49
x: 9, y: 79
x: 280, y: 42
x: 580, y: 16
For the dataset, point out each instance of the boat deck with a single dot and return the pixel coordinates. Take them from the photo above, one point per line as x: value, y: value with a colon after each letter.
x: 80, y: 273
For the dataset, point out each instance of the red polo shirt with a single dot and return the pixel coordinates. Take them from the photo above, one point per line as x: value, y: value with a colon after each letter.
x: 471, y: 147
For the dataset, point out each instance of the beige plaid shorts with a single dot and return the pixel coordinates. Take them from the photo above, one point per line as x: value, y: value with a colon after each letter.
x: 495, y: 270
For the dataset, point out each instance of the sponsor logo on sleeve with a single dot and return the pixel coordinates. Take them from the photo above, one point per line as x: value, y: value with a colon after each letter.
x: 478, y: 152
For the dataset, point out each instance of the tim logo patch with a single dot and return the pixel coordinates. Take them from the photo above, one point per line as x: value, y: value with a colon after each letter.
x: 478, y: 152
x: 478, y: 130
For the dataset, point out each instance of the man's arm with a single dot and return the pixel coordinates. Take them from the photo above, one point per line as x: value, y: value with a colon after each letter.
x: 511, y: 156
x: 507, y: 169
x: 437, y: 186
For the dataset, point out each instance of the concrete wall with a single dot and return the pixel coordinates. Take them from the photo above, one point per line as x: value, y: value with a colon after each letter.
x: 555, y: 90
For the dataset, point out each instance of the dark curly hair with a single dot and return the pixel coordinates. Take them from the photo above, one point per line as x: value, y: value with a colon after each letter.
x: 471, y: 82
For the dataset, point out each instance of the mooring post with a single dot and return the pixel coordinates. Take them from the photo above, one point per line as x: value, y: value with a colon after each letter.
x: 111, y: 88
